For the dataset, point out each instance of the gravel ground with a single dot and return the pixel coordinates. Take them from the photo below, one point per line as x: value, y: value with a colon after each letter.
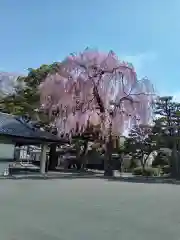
x: 88, y: 209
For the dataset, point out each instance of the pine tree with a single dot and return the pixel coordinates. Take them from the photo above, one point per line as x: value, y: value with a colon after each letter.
x: 167, y: 129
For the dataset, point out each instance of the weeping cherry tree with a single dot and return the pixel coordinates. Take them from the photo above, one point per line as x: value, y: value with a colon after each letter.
x: 95, y: 88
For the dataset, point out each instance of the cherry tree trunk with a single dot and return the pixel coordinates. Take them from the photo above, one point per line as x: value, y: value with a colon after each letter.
x: 108, y: 164
x: 83, y: 155
x: 53, y: 157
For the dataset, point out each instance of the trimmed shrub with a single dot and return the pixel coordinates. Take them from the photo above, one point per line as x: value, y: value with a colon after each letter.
x: 133, y: 164
x: 148, y: 171
x: 161, y: 159
x: 166, y: 169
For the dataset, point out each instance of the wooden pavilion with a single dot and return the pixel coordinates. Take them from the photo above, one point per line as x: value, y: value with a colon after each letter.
x: 18, y: 131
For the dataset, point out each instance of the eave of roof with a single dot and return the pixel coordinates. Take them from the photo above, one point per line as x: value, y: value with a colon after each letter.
x: 15, y: 129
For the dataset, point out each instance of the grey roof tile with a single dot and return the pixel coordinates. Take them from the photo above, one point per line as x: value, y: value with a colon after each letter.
x: 15, y: 126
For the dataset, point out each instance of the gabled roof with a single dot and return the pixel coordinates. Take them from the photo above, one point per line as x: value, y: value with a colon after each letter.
x: 19, y: 130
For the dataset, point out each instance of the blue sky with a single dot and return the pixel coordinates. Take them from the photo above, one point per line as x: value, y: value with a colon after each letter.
x: 147, y: 33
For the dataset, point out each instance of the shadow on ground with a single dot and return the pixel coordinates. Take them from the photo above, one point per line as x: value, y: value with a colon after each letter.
x: 71, y: 175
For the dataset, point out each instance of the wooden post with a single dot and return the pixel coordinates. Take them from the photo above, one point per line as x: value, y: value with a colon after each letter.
x: 43, y: 159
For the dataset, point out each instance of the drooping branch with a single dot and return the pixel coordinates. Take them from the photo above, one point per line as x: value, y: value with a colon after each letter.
x: 96, y: 82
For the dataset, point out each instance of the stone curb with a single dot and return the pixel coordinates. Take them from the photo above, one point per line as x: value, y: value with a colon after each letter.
x: 60, y: 176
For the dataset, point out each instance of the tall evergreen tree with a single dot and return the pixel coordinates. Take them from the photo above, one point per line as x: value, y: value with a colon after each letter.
x: 25, y: 100
x: 167, y: 129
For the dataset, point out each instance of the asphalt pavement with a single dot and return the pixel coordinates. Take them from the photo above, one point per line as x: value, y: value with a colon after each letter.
x: 88, y: 209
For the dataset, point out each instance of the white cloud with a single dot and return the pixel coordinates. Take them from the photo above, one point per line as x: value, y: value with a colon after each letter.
x: 140, y: 61
x: 176, y: 96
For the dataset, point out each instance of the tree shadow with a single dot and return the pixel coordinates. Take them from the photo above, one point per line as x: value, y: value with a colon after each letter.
x: 91, y: 175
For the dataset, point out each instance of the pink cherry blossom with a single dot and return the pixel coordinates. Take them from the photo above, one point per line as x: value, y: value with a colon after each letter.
x: 97, y: 88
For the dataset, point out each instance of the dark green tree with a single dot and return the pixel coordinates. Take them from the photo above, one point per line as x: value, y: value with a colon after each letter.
x: 167, y: 129
x: 167, y: 121
x: 25, y: 100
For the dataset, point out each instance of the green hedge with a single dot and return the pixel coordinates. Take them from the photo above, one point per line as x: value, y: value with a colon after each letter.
x: 148, y: 171
x: 166, y: 169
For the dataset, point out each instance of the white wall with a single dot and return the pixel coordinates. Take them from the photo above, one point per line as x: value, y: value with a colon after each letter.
x: 6, y: 151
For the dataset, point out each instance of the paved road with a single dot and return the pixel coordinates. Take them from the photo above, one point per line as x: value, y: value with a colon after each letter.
x: 88, y: 209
